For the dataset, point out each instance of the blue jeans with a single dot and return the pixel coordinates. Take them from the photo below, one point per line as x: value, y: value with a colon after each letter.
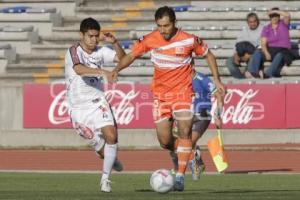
x: 257, y: 60
x: 234, y: 69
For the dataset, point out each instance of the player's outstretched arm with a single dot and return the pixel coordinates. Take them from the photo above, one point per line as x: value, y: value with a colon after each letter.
x: 83, y: 70
x: 124, y: 62
x: 211, y: 61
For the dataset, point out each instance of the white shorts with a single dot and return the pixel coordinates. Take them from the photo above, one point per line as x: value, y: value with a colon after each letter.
x: 88, y: 123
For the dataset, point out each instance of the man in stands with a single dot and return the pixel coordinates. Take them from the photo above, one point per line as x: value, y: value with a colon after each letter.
x: 275, y: 44
x: 90, y: 113
x: 171, y: 53
x: 247, y: 41
x: 204, y: 89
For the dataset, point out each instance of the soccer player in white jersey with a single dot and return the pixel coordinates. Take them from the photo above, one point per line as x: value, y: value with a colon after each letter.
x: 90, y: 113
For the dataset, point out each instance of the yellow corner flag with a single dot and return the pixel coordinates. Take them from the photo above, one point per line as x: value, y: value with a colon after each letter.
x: 216, y: 150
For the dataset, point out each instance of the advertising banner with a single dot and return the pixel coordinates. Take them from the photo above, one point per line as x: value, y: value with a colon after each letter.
x: 246, y: 106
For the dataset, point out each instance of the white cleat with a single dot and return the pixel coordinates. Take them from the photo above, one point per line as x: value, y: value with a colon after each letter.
x: 118, y: 166
x: 105, y: 185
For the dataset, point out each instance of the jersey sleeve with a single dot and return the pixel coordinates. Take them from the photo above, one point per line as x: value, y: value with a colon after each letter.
x: 200, y: 47
x: 68, y: 60
x: 140, y: 47
x: 73, y: 57
x: 108, y: 55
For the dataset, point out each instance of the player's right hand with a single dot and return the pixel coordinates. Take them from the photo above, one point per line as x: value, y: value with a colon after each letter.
x: 114, y: 74
x: 108, y: 75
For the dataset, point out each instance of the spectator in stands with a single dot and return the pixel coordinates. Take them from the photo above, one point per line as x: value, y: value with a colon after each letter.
x: 90, y: 113
x: 247, y: 41
x: 171, y: 52
x: 275, y: 44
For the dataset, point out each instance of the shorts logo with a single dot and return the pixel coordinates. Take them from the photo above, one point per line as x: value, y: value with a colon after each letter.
x: 105, y: 116
x: 103, y: 109
x: 84, y: 131
x: 155, y: 103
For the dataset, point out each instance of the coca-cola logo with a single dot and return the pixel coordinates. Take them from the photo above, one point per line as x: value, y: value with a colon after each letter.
x: 124, y: 109
x: 121, y: 104
x: 58, y: 110
x: 243, y: 111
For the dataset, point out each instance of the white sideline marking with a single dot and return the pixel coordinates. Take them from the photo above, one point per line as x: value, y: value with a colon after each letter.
x: 131, y: 172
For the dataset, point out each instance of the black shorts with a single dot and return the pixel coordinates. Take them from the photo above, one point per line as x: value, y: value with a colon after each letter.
x: 201, y: 121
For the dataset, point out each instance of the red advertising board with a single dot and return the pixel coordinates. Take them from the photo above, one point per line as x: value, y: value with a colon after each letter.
x: 293, y: 106
x: 253, y: 106
x: 246, y: 106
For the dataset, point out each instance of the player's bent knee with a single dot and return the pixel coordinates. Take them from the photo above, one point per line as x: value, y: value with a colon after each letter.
x: 94, y: 138
x: 110, y: 134
x: 185, y: 133
x: 166, y: 145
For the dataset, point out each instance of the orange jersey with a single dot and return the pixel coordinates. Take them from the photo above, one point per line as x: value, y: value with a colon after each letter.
x: 172, y: 62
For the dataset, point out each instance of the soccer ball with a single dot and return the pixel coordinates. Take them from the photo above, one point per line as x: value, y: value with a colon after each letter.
x: 162, y: 181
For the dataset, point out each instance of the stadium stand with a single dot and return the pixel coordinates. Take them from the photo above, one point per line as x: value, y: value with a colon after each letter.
x: 65, y: 7
x: 42, y: 19
x: 7, y: 55
x: 19, y: 37
x: 218, y: 22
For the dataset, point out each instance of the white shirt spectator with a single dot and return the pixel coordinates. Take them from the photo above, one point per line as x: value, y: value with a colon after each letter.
x: 252, y: 36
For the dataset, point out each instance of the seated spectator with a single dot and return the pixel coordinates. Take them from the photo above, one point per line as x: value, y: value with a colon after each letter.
x: 275, y: 45
x: 246, y: 43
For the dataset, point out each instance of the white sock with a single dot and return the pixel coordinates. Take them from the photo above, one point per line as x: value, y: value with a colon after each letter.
x: 110, y: 154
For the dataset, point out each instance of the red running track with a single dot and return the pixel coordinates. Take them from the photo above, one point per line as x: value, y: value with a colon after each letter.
x: 146, y: 160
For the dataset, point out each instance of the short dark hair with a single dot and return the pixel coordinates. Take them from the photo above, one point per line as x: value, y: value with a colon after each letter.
x: 275, y: 8
x: 274, y: 15
x: 89, y: 24
x: 165, y: 11
x: 252, y: 14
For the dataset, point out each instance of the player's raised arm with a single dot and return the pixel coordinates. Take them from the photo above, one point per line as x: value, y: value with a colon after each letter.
x: 109, y: 38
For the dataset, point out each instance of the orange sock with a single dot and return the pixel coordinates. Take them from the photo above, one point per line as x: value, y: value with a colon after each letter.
x: 192, y: 155
x: 183, y: 152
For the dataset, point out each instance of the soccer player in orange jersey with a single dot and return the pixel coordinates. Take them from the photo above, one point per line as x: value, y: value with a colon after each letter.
x: 171, y: 53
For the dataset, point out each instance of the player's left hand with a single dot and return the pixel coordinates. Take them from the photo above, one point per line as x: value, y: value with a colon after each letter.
x: 109, y: 38
x: 221, y: 87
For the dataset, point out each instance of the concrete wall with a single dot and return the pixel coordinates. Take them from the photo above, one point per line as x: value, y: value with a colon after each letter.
x: 11, y: 106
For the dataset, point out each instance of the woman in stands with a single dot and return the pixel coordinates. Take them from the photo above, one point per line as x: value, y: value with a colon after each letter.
x: 275, y: 44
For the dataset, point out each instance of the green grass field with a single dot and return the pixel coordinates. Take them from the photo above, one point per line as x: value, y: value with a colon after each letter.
x: 32, y: 186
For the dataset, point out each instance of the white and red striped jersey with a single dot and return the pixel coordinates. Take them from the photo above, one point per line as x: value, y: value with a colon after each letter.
x: 85, y: 91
